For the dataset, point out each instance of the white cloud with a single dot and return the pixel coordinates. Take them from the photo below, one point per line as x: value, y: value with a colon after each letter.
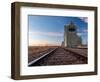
x: 85, y: 19
x: 80, y: 34
x: 47, y: 33
x: 82, y: 31
x: 85, y: 30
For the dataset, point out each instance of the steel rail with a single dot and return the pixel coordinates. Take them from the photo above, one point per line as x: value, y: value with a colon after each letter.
x: 37, y: 59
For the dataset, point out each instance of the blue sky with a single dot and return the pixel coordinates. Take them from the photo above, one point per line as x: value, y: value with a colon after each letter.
x: 49, y: 30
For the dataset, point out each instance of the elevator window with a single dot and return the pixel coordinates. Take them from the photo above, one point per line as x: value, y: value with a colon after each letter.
x: 72, y: 29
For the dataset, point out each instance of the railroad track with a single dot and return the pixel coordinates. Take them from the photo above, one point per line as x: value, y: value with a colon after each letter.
x: 59, y: 56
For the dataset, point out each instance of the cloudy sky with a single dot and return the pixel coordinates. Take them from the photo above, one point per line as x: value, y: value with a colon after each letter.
x: 49, y: 30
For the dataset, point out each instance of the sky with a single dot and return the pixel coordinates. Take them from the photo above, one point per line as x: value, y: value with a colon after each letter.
x: 49, y: 30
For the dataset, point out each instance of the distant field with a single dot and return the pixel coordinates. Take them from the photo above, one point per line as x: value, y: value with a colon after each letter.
x: 34, y: 51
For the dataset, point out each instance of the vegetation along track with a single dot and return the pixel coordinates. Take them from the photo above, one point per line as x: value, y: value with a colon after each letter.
x: 59, y: 56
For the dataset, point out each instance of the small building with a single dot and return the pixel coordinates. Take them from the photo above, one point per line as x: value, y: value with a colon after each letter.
x: 62, y: 44
x: 71, y: 39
